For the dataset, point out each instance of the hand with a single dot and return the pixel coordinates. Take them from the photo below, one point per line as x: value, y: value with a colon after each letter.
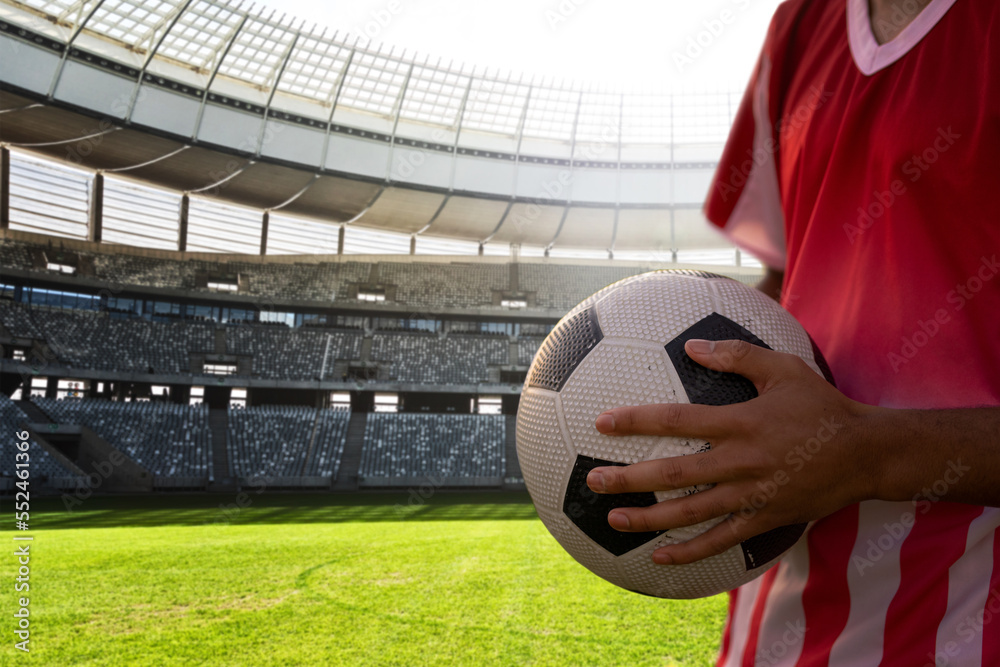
x: 792, y: 455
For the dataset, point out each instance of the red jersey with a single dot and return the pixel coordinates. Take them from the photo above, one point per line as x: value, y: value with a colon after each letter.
x: 868, y: 174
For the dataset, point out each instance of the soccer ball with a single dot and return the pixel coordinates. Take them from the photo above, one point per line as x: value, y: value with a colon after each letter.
x: 625, y: 346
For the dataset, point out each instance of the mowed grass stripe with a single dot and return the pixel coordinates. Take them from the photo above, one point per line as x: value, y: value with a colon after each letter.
x: 370, y: 585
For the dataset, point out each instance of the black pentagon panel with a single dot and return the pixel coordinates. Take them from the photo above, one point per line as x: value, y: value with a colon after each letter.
x: 564, y: 349
x: 589, y: 510
x: 762, y: 549
x: 704, y: 386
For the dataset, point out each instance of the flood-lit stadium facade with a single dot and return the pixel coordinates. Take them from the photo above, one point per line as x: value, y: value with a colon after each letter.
x: 211, y: 101
x: 202, y: 200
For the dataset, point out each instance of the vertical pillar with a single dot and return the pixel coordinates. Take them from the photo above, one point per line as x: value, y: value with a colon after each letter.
x: 95, y: 226
x: 4, y: 188
x: 182, y: 232
x: 263, y: 232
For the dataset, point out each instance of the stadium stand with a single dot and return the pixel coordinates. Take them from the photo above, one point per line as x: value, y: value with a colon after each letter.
x: 273, y: 441
x: 562, y: 287
x: 430, y: 359
x: 527, y: 348
x: 168, y: 440
x: 43, y: 466
x: 446, y: 286
x: 16, y: 318
x: 285, y: 354
x: 422, y: 284
x: 88, y: 339
x: 419, y: 445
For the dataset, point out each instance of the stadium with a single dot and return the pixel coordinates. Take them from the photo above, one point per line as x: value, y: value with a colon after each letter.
x: 269, y: 297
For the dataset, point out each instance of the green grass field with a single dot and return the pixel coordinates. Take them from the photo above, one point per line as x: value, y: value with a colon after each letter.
x: 464, y: 579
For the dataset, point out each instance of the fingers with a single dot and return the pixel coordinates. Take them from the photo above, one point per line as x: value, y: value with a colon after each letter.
x: 675, y: 419
x: 677, y: 472
x: 687, y: 511
x: 712, y: 542
x: 755, y: 363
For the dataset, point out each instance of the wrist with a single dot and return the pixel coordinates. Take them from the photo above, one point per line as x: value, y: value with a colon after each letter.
x: 880, y: 442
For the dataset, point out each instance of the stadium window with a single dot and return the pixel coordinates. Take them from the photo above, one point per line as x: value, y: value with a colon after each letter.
x: 371, y: 296
x: 205, y: 313
x: 39, y: 386
x: 159, y: 391
x: 340, y: 399
x: 17, y: 395
x: 57, y: 299
x: 497, y: 328
x: 268, y: 316
x: 65, y: 269
x: 219, y: 369
x: 124, y: 306
x: 18, y: 355
x: 197, y: 395
x: 490, y: 405
x: 238, y: 399
x: 514, y: 303
x: 71, y: 389
x: 223, y: 286
x: 386, y: 403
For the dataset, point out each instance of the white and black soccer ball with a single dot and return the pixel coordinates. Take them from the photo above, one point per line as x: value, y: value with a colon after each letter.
x: 625, y: 346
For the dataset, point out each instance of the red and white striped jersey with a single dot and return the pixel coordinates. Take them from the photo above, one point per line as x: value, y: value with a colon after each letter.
x: 869, y: 174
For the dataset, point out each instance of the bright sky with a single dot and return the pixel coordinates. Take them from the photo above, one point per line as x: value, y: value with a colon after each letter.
x: 619, y: 44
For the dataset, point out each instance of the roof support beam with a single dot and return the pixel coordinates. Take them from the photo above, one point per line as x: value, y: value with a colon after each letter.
x: 215, y: 72
x: 69, y: 45
x: 572, y: 161
x: 618, y: 184
x: 395, y: 125
x: 333, y: 107
x: 458, y: 134
x: 170, y: 22
x: 276, y: 79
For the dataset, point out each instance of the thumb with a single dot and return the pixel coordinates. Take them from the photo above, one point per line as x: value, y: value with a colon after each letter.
x: 753, y: 362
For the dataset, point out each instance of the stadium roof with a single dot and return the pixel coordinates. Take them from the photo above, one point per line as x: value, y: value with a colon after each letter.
x: 214, y: 98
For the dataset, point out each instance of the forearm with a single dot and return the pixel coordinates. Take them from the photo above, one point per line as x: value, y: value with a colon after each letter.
x: 950, y: 455
x: 771, y: 283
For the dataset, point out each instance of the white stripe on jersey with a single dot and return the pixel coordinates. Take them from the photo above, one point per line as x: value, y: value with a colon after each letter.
x: 740, y: 622
x: 960, y: 635
x: 783, y: 625
x: 873, y: 578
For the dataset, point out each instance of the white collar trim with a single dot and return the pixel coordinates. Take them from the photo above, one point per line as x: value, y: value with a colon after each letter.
x: 869, y: 55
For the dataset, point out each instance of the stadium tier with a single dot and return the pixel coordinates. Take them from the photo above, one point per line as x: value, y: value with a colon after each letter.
x: 94, y: 340
x: 527, y: 349
x: 42, y: 465
x: 447, y: 286
x: 562, y: 287
x: 283, y: 354
x: 286, y: 441
x: 430, y: 359
x: 168, y: 440
x: 417, y: 286
x: 433, y: 445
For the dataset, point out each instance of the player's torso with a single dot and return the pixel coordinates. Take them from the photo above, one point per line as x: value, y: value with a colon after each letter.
x: 888, y: 183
